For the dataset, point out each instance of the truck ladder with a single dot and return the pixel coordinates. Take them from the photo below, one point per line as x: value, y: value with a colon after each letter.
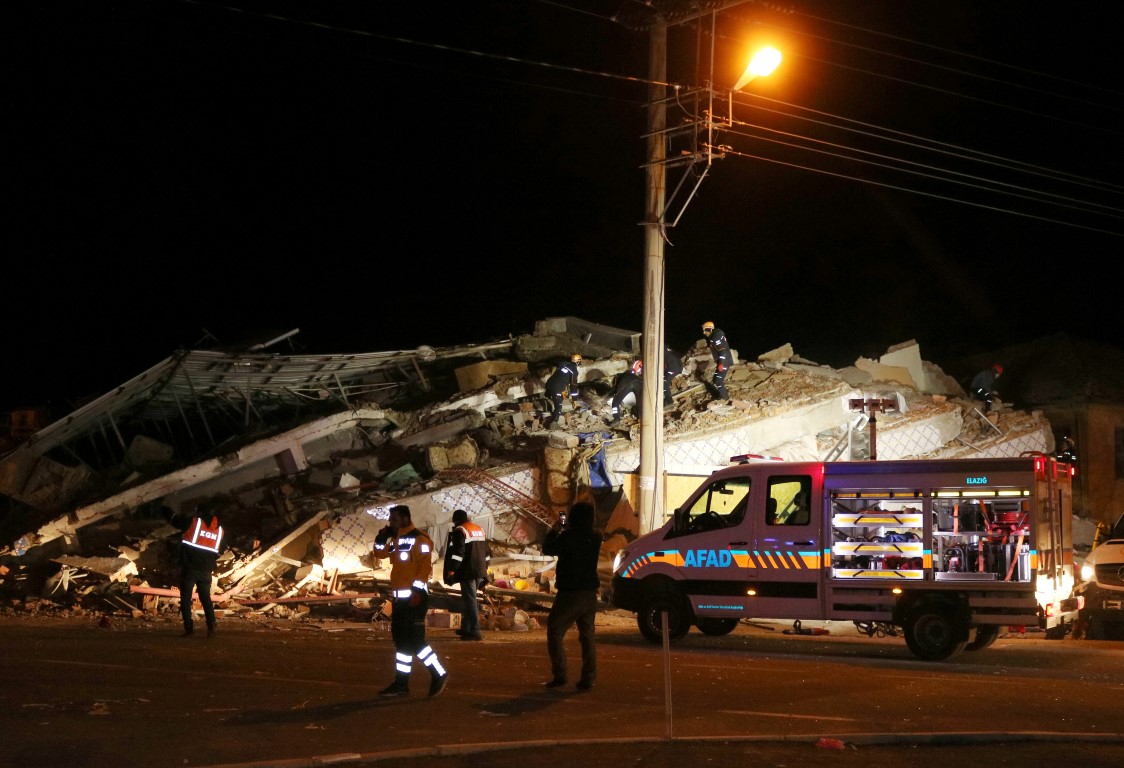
x: 514, y: 498
x: 844, y: 441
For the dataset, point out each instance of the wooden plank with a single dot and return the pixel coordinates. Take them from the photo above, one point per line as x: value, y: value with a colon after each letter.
x: 271, y: 550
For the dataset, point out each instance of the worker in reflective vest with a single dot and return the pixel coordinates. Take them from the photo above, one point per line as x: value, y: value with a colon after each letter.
x: 410, y: 551
x: 467, y: 554
x: 723, y: 358
x: 200, y: 546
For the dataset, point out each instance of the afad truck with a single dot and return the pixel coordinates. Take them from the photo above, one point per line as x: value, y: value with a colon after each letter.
x: 946, y: 552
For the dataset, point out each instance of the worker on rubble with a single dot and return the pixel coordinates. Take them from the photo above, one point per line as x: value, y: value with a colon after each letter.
x: 199, y: 549
x: 1066, y: 450
x: 411, y: 552
x: 563, y: 382
x: 577, y: 545
x: 627, y: 384
x: 983, y: 385
x: 723, y: 359
x: 466, y: 564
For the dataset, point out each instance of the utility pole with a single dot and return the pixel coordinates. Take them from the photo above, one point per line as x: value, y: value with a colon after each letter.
x: 652, y: 481
x: 651, y: 422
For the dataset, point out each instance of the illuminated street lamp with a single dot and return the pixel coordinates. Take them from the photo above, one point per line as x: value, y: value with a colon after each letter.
x: 651, y: 486
x: 761, y: 65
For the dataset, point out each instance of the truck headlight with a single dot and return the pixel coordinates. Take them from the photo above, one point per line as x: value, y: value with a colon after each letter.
x: 1087, y: 572
x: 619, y: 558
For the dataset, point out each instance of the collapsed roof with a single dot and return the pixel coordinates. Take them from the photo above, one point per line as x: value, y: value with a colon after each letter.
x: 306, y: 453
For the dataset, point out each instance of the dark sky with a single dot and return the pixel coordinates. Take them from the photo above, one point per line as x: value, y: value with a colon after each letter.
x: 385, y: 175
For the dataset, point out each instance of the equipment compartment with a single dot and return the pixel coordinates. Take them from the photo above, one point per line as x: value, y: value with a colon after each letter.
x: 878, y: 535
x: 981, y: 537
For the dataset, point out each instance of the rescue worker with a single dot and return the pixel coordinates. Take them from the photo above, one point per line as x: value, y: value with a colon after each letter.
x: 564, y: 381
x: 983, y: 385
x: 200, y: 545
x: 672, y: 367
x: 627, y: 383
x: 723, y: 359
x: 411, y: 552
x: 467, y: 555
x: 1067, y: 451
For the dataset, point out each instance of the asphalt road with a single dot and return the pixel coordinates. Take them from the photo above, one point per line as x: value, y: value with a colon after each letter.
x: 131, y: 692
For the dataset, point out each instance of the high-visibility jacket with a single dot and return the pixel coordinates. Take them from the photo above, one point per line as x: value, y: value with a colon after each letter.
x: 205, y: 536
x: 410, y: 551
x: 467, y: 554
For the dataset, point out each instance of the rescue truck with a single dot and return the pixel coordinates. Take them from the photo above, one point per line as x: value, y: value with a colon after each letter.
x: 944, y: 552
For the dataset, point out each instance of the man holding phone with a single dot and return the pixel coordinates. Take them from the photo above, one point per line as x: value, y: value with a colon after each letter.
x: 578, y: 547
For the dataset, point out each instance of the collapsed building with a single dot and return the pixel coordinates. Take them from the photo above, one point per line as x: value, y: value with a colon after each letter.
x: 305, y: 454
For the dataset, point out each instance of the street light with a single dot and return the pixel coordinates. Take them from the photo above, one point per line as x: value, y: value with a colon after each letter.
x: 651, y: 490
x: 761, y: 65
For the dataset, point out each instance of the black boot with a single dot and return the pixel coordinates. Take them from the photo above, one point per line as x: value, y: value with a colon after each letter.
x: 437, y: 684
x: 400, y: 686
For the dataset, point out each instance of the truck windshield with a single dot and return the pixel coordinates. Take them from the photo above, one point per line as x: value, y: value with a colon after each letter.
x: 721, y: 505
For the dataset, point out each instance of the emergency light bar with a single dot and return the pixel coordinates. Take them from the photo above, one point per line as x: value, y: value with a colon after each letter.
x: 745, y: 458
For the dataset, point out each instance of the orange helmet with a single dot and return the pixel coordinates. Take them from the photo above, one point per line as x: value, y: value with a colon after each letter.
x: 708, y: 326
x: 576, y: 358
x: 998, y: 369
x: 638, y: 367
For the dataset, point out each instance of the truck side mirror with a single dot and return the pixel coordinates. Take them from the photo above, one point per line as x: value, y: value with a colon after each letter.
x: 679, y: 520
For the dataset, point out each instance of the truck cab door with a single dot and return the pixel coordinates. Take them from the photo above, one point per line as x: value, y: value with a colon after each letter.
x: 787, y: 551
x: 712, y: 537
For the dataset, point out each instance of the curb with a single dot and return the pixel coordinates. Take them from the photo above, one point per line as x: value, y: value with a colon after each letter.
x: 860, y: 739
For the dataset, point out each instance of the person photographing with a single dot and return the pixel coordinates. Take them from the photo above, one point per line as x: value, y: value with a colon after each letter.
x: 577, y: 546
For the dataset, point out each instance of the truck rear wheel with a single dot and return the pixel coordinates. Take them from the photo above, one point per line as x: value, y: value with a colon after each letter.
x: 1059, y: 632
x: 715, y: 626
x: 932, y: 634
x: 650, y: 621
x: 986, y: 634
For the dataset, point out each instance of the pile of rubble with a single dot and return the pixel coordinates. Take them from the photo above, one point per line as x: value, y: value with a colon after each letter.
x: 300, y: 537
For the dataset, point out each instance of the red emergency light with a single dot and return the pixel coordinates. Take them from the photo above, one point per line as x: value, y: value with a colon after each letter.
x: 745, y: 458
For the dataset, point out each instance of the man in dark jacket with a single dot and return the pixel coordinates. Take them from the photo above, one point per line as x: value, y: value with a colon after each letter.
x: 200, y: 545
x: 577, y: 546
x: 983, y: 385
x: 466, y: 564
x: 563, y: 381
x: 723, y: 359
x: 627, y: 383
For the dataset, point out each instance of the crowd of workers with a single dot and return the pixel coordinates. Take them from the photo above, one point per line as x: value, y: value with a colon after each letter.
x: 628, y: 385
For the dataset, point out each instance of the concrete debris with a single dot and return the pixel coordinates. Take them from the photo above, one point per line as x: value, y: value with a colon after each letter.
x: 301, y: 504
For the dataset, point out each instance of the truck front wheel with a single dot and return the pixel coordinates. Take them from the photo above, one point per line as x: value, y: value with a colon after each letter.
x: 932, y: 634
x: 715, y: 626
x: 650, y: 617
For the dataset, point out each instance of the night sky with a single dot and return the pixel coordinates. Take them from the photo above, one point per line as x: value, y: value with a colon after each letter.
x: 385, y: 175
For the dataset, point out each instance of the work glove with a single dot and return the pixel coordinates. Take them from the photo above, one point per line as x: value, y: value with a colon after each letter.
x: 721, y: 367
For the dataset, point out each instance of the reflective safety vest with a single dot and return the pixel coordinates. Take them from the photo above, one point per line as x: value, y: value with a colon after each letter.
x: 203, y: 536
x: 411, y: 565
x: 472, y: 533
